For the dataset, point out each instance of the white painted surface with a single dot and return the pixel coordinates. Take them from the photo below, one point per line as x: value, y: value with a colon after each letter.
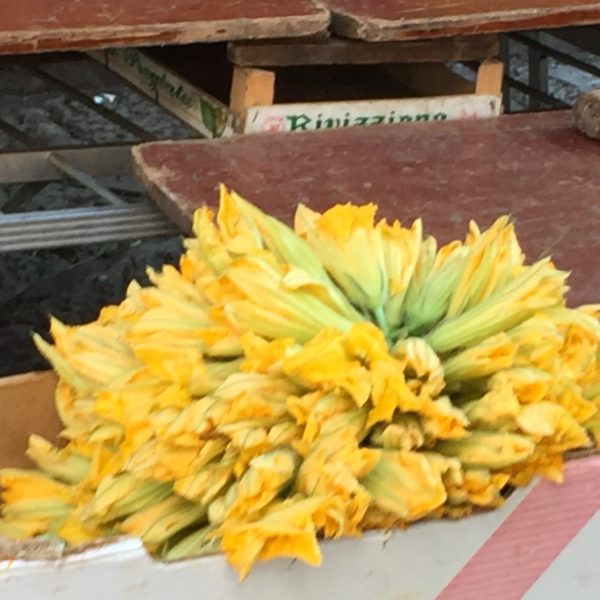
x: 414, y: 564
x: 328, y: 115
x: 575, y: 573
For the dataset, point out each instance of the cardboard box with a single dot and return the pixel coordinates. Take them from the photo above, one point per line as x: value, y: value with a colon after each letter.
x: 541, y: 545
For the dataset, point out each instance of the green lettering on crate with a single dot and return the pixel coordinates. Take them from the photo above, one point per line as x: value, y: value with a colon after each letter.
x: 156, y: 81
x: 331, y: 123
x: 298, y: 122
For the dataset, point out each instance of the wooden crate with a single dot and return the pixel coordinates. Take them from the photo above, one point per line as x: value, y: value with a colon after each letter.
x: 318, y: 83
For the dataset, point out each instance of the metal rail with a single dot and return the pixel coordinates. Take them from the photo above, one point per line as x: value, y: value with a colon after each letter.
x: 67, y: 227
x: 33, y: 164
x: 567, y: 59
x: 538, y: 95
x: 15, y: 133
x: 84, y: 179
x: 139, y: 132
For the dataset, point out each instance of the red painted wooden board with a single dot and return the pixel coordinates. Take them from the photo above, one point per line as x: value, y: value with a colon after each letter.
x: 409, y: 19
x: 537, y: 167
x: 44, y: 25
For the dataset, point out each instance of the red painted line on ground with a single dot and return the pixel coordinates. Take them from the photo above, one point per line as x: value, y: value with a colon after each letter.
x: 514, y: 557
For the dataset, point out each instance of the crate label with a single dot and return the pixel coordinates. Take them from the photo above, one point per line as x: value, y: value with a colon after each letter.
x: 331, y: 115
x: 192, y: 105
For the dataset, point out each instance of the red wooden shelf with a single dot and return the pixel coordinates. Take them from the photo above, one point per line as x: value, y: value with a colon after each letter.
x: 48, y: 25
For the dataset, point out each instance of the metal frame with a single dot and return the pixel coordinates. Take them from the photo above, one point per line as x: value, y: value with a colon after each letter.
x: 114, y: 117
x: 538, y: 70
x: 537, y: 88
x: 35, y: 167
x: 55, y: 228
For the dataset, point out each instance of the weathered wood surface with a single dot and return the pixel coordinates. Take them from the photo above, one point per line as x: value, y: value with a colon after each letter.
x: 44, y: 25
x: 386, y: 20
x: 48, y: 25
x: 333, y: 51
x: 537, y: 167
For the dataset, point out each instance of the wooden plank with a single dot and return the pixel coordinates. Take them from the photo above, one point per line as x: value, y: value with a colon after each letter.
x: 537, y: 167
x: 251, y: 87
x: 329, y: 115
x: 170, y: 90
x: 338, y: 51
x: 489, y: 77
x: 388, y: 20
x: 43, y: 25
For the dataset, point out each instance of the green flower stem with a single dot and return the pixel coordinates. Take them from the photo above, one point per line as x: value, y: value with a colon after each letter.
x: 381, y: 321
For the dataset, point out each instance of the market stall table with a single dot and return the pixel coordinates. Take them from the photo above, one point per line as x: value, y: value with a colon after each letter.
x: 49, y: 25
x: 404, y: 19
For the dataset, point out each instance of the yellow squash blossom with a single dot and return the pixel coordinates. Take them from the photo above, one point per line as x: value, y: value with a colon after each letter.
x: 405, y: 433
x: 424, y: 367
x: 494, y: 450
x: 282, y: 385
x: 496, y: 353
x: 539, y: 287
x: 287, y: 528
x: 405, y: 484
x: 553, y: 423
x: 351, y: 249
x: 272, y: 309
x: 324, y: 362
x: 401, y: 249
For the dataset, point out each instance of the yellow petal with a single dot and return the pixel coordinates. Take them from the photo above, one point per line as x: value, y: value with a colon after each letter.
x: 547, y: 420
x: 324, y: 363
x: 286, y: 529
x: 351, y: 250
x: 489, y: 449
x: 405, y: 484
x: 490, y: 356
